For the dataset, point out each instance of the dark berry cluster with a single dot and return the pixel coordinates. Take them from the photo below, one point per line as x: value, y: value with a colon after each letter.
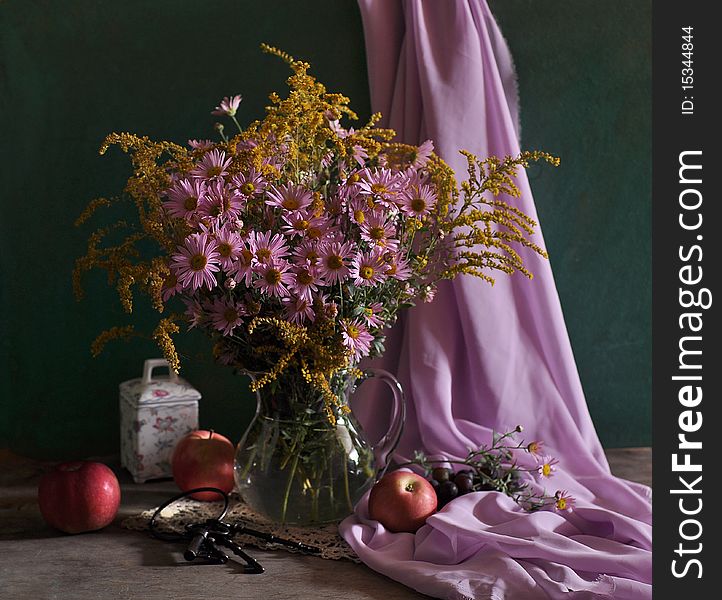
x: 449, y: 484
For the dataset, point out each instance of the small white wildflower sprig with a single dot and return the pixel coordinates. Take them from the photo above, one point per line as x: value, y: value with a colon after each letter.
x: 546, y: 467
x: 563, y: 501
x: 495, y: 468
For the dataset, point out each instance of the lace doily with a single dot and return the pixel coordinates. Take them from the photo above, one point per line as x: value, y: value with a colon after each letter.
x: 174, y: 518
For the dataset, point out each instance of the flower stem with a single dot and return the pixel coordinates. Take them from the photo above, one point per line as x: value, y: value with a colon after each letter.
x: 330, y: 481
x: 444, y: 460
x: 287, y: 493
x: 346, y: 489
x: 240, y: 129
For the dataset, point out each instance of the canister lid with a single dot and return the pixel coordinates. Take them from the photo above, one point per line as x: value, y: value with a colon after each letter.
x: 168, y: 389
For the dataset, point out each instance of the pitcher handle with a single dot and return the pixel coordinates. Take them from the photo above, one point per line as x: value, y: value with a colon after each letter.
x: 385, y: 447
x: 252, y: 376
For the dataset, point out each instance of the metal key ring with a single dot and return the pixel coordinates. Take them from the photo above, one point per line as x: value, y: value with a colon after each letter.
x: 175, y: 537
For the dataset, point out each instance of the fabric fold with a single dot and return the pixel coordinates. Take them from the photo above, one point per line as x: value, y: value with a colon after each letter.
x: 480, y: 359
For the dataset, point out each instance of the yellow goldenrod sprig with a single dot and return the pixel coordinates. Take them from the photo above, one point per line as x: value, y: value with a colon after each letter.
x: 162, y: 336
x: 114, y: 333
x: 89, y: 210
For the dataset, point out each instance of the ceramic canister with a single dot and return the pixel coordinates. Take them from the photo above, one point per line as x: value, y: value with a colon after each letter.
x: 155, y: 413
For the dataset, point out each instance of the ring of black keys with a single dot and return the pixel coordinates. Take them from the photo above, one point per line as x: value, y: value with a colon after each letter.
x: 209, y: 540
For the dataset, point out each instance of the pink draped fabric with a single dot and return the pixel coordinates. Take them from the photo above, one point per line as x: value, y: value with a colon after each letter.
x: 479, y: 358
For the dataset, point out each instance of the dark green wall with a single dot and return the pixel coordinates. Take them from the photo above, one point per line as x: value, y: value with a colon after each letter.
x: 584, y: 71
x: 74, y: 71
x: 71, y: 72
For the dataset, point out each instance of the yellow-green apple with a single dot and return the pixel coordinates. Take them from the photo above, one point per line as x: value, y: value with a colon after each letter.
x: 402, y: 501
x: 203, y: 459
x: 79, y: 496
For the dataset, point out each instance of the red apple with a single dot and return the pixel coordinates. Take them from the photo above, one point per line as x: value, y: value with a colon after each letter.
x: 79, y: 496
x: 204, y: 459
x: 402, y: 501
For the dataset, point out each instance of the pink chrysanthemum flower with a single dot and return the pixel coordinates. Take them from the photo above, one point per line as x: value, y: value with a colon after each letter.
x: 333, y: 234
x: 200, y: 144
x: 332, y: 265
x: 418, y: 200
x: 246, y: 145
x: 349, y: 189
x: 322, y: 305
x: 368, y: 268
x: 221, y: 200
x: 307, y: 282
x: 397, y: 267
x: 428, y: 293
x: 359, y: 154
x: 547, y: 466
x: 174, y: 177
x: 378, y: 231
x: 326, y: 160
x: 228, y: 106
x: 335, y: 126
x: 289, y: 197
x: 306, y: 254
x: 371, y: 315
x: 230, y: 247
x: 358, y: 210
x: 267, y: 246
x: 413, y: 178
x: 564, y: 501
x: 242, y: 269
x: 301, y: 223
x: 275, y: 277
x: 356, y: 338
x: 422, y: 154
x: 298, y: 309
x: 213, y: 164
x: 171, y: 286
x: 343, y: 169
x: 323, y: 230
x: 195, y: 313
x: 277, y: 161
x: 251, y: 183
x: 226, y: 315
x: 184, y: 197
x: 196, y: 262
x: 227, y: 355
x: 335, y: 206
x: 379, y: 185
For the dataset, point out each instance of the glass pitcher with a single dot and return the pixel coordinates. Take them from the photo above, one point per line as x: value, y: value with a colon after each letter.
x: 296, y: 464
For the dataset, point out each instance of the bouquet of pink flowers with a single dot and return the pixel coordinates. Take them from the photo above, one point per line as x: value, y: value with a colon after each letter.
x: 295, y: 242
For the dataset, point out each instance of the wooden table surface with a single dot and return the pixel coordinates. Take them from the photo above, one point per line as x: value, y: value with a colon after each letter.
x: 37, y: 562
